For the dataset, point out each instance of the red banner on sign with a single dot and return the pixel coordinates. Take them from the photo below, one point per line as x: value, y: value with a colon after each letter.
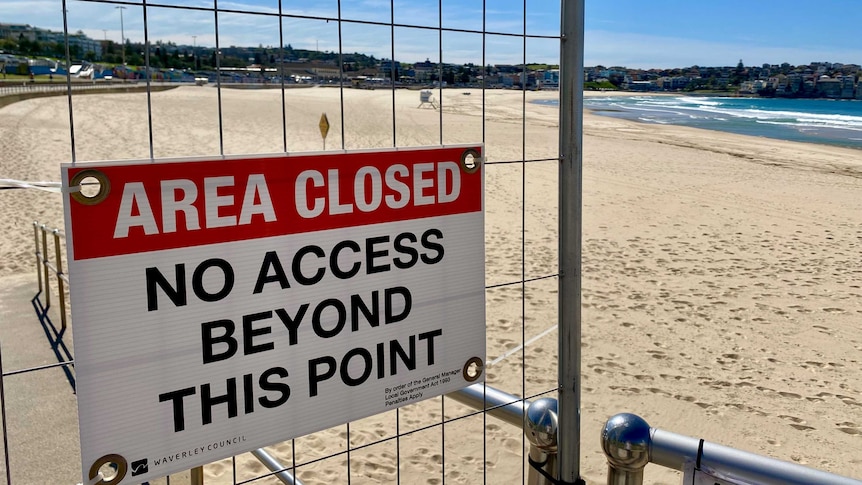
x: 145, y: 207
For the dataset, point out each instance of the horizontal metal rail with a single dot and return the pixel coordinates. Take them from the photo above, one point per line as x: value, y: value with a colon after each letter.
x: 58, y: 88
x: 274, y: 466
x: 499, y: 404
x: 537, y: 419
x: 630, y: 443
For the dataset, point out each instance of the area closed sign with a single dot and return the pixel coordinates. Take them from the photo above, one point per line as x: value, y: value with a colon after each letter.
x: 220, y: 306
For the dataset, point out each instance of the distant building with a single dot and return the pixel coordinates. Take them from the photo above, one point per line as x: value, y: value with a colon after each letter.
x: 325, y: 71
x: 78, y: 41
x: 828, y: 87
x: 747, y: 87
x: 16, y: 31
x: 86, y: 46
x: 847, y: 86
x: 551, y: 79
x: 386, y: 67
x: 314, y: 71
x: 642, y: 85
x: 423, y: 72
x: 672, y: 83
x: 525, y: 80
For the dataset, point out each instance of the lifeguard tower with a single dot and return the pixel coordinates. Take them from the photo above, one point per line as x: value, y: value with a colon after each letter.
x: 426, y: 97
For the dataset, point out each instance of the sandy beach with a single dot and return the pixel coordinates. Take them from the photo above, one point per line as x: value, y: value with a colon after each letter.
x: 722, y: 286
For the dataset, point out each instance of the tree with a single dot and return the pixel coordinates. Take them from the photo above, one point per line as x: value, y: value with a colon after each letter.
x: 766, y: 92
x: 9, y: 45
x: 449, y: 76
x: 464, y: 76
x: 57, y: 49
x: 738, y: 74
x: 25, y: 46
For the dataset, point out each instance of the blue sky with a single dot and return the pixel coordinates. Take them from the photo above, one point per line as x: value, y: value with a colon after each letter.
x: 632, y: 33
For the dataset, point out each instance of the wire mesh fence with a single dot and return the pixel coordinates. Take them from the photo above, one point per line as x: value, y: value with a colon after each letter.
x: 472, y: 52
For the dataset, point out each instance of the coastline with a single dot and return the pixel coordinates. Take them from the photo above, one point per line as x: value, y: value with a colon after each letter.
x: 719, y: 292
x: 816, y: 121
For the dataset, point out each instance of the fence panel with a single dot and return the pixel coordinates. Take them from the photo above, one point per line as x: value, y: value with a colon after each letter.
x: 276, y: 107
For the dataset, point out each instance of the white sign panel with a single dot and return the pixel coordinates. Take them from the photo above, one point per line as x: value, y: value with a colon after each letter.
x: 221, y: 306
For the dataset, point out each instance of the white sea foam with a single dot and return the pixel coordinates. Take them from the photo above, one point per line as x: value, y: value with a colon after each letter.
x: 699, y: 101
x: 798, y: 124
x: 834, y: 120
x: 751, y: 116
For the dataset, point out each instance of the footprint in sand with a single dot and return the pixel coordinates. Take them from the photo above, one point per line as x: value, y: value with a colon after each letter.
x: 802, y: 427
x: 792, y: 395
x: 833, y: 310
x: 658, y: 391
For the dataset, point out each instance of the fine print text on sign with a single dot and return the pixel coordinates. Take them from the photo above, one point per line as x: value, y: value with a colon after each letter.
x: 225, y: 305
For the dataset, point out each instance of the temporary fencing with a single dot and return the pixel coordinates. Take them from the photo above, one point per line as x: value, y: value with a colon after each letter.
x: 469, y: 29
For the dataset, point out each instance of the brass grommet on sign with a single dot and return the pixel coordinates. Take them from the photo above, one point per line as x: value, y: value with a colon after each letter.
x: 471, y: 160
x: 473, y: 369
x: 81, y: 195
x: 122, y: 468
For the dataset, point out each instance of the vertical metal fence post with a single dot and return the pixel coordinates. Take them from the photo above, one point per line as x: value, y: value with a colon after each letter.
x: 197, y: 475
x: 45, y: 265
x: 60, y: 289
x: 3, y: 423
x: 626, y: 442
x: 38, y: 266
x: 540, y: 429
x: 570, y: 204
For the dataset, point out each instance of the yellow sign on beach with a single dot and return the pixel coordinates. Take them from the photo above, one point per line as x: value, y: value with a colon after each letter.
x: 324, y: 126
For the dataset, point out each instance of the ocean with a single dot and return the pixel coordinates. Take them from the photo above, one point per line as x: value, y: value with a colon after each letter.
x: 826, y: 121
